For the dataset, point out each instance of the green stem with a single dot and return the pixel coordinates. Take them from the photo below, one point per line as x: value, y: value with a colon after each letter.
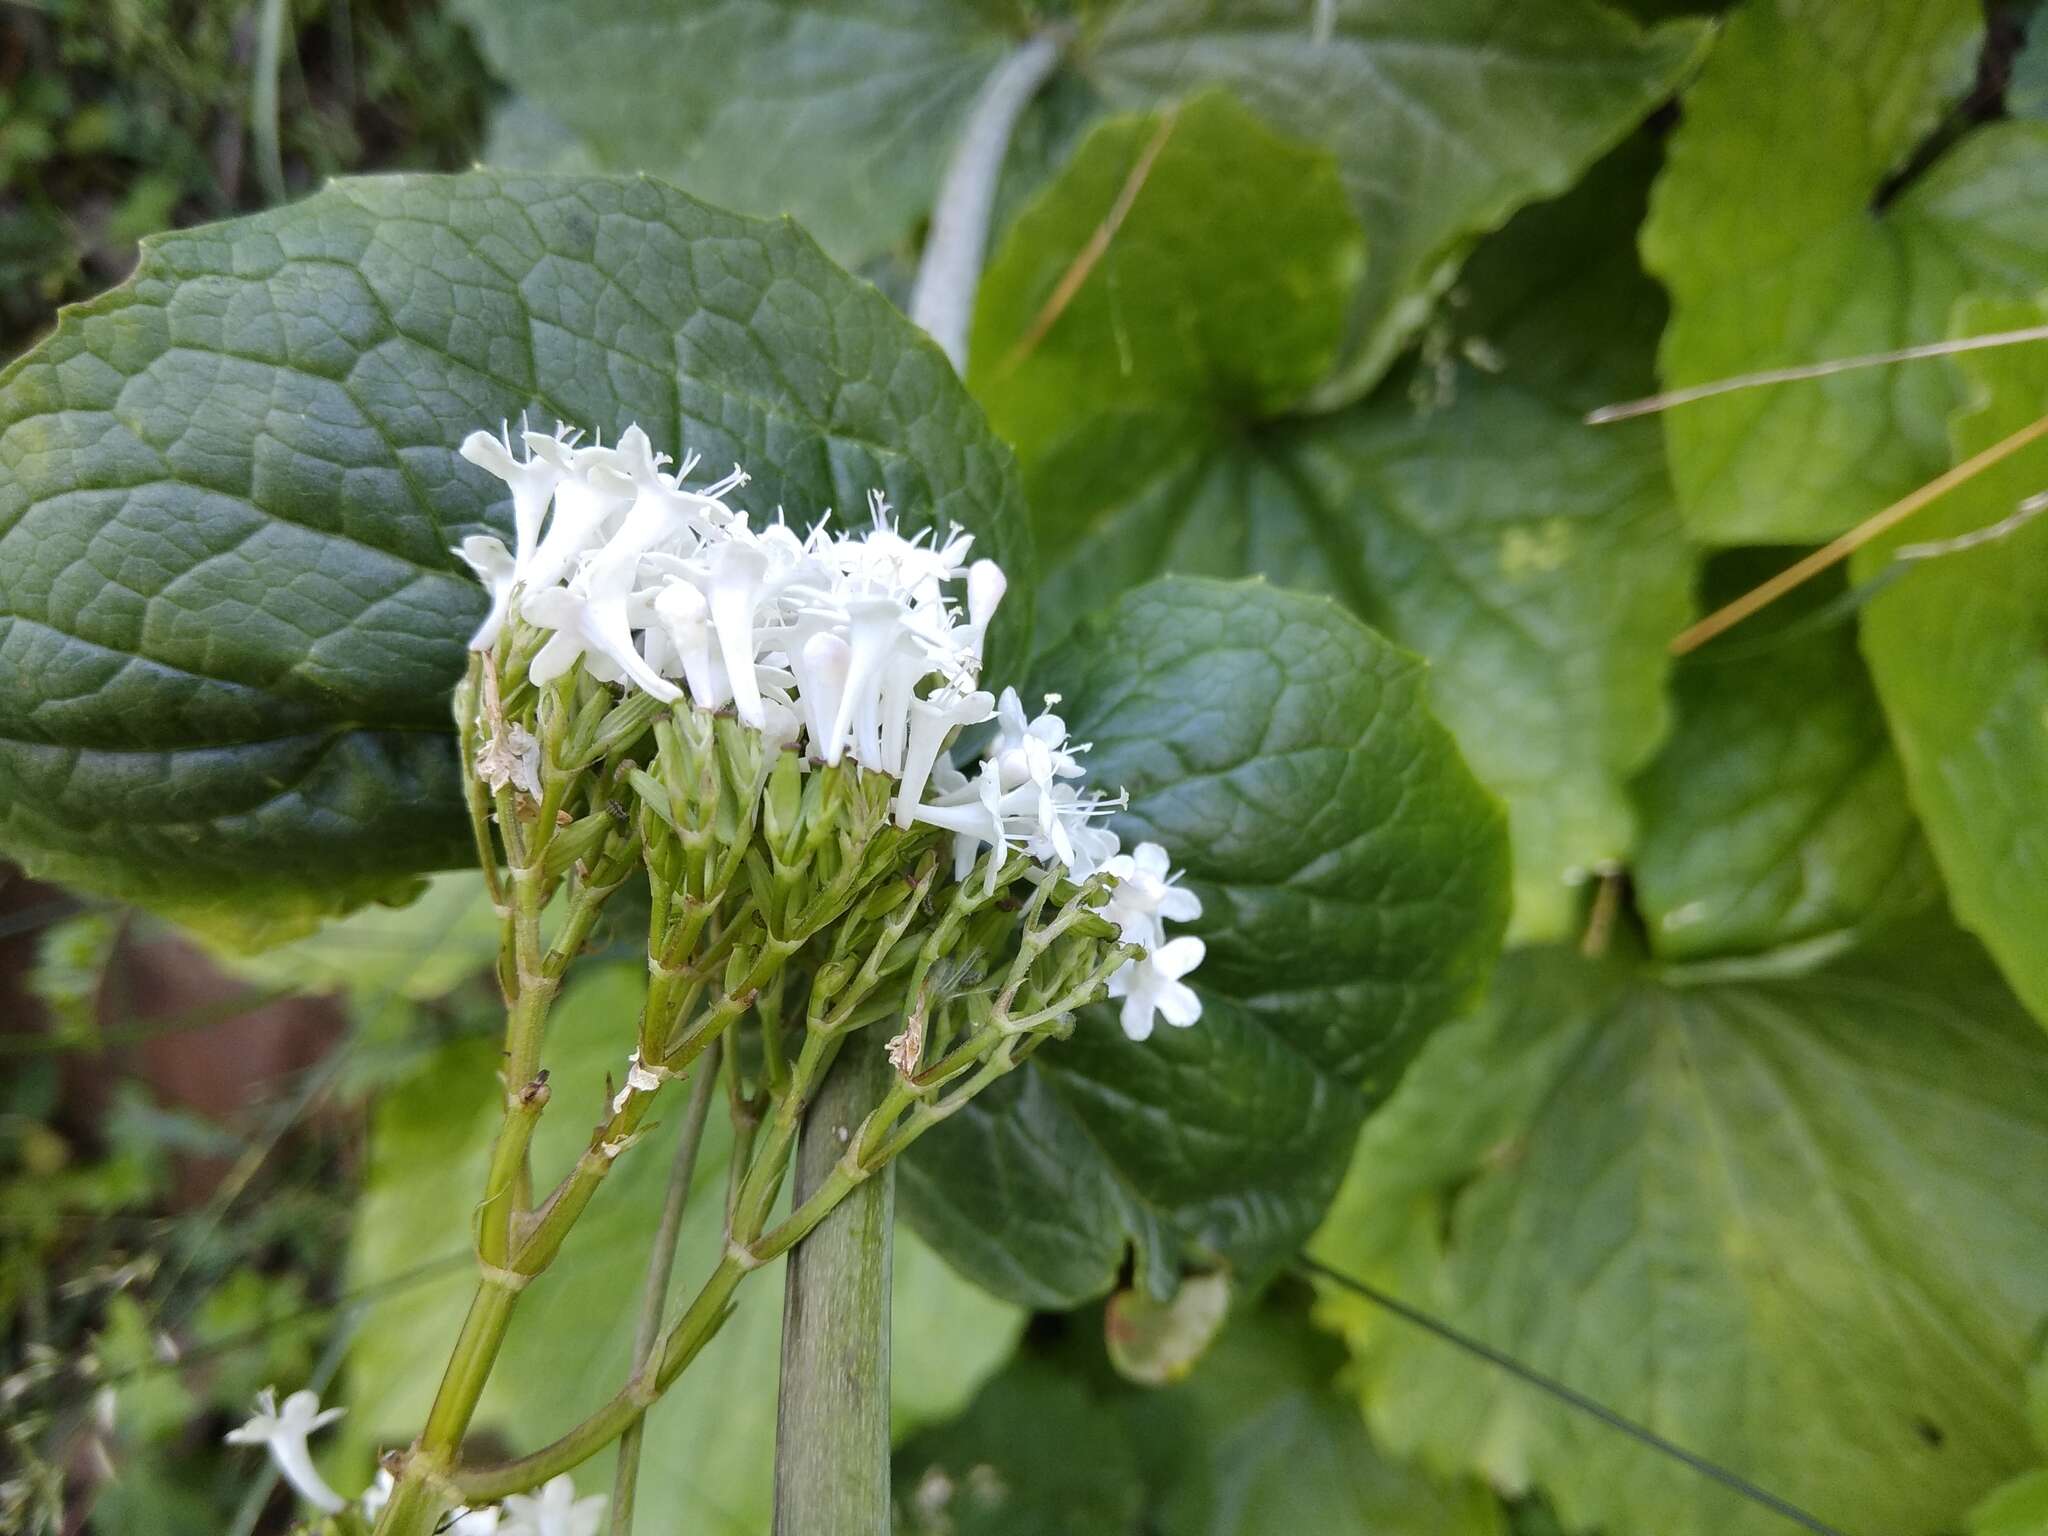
x: 487, y: 1484
x: 263, y: 108
x: 660, y: 1262
x: 476, y: 1350
x: 832, y: 1430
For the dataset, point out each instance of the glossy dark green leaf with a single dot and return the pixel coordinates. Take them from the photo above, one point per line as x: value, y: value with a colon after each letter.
x: 1792, y: 1222
x: 1178, y: 312
x: 1782, y: 242
x: 228, y: 617
x: 1958, y: 645
x: 1352, y: 875
x: 1777, y: 812
x: 710, y: 1446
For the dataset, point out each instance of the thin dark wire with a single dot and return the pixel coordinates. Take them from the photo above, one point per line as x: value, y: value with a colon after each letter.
x: 1733, y: 1481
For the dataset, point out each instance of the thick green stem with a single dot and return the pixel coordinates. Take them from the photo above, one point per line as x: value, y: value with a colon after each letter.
x: 832, y: 1433
x: 476, y: 1351
x: 654, y: 1292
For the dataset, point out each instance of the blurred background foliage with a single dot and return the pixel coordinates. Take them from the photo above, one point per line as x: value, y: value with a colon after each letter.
x: 122, y: 117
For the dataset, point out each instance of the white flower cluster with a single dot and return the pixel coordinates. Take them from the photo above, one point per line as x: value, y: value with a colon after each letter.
x: 854, y: 644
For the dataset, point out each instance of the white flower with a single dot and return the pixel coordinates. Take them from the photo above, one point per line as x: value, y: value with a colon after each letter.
x: 1145, y: 898
x: 498, y: 569
x: 532, y: 480
x: 1153, y: 985
x: 554, y: 1511
x: 931, y: 722
x: 590, y: 616
x: 1028, y: 795
x: 283, y: 1432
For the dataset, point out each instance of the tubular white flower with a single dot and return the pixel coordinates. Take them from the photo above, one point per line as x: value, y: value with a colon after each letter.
x: 498, y: 569
x: 554, y: 1511
x: 738, y: 578
x: 931, y: 722
x: 532, y: 481
x: 283, y: 1432
x: 589, y: 615
x: 585, y: 502
x: 986, y: 585
x: 821, y: 666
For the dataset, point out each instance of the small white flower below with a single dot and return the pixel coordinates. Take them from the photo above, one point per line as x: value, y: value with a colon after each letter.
x: 554, y: 1511
x: 1146, y: 897
x: 283, y: 1432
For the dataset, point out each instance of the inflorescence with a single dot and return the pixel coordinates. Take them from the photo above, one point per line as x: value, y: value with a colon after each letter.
x: 843, y: 645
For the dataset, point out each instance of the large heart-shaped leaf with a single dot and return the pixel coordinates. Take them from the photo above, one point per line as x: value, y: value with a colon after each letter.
x: 1351, y: 873
x: 1959, y: 647
x: 1776, y: 812
x: 228, y: 616
x: 1535, y: 561
x: 1763, y: 229
x: 710, y: 1449
x: 1177, y: 313
x: 1793, y: 1224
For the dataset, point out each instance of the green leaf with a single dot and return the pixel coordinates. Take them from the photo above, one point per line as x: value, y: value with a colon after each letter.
x: 2019, y: 1508
x: 1179, y: 312
x: 1257, y: 1442
x: 1276, y: 1449
x: 710, y: 1446
x: 1034, y: 1452
x: 842, y: 116
x: 419, y: 952
x: 1777, y: 811
x: 1793, y: 1224
x: 228, y: 488
x: 1958, y: 646
x: 1351, y: 873
x: 1445, y: 115
x: 1763, y: 229
x: 1536, y: 562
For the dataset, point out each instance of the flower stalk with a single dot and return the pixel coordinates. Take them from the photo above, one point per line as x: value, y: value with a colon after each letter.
x: 832, y: 1420
x: 755, y: 723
